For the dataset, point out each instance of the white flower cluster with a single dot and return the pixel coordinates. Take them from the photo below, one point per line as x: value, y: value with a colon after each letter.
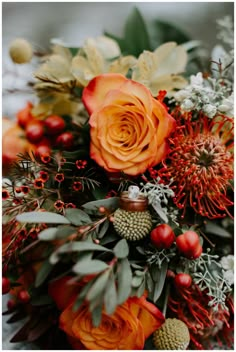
x: 158, y: 195
x: 227, y: 263
x: 208, y: 95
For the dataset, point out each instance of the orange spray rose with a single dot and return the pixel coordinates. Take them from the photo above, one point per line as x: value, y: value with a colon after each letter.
x: 126, y: 329
x: 128, y: 127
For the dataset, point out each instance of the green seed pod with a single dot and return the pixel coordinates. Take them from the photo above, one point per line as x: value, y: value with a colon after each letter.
x: 172, y: 335
x: 132, y: 220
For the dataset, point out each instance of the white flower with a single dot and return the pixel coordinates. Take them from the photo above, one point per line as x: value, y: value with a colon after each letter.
x: 187, y: 105
x: 182, y: 94
x: 229, y: 277
x: 159, y: 70
x: 210, y: 110
x: 196, y: 80
x: 227, y: 262
x: 227, y: 105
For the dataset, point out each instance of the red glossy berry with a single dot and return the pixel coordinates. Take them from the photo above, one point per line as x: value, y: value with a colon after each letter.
x: 189, y: 244
x: 65, y: 140
x: 11, y: 304
x: 183, y: 280
x: 42, y: 150
x: 54, y: 125
x: 162, y: 236
x: 23, y: 296
x: 6, y: 285
x: 34, y: 131
x: 24, y: 115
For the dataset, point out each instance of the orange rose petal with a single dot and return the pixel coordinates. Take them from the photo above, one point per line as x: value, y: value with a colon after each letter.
x: 66, y: 319
x: 95, y: 92
x: 148, y: 314
x: 166, y: 121
x: 141, y: 92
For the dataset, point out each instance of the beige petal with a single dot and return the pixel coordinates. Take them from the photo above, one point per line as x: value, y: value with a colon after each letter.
x: 122, y: 65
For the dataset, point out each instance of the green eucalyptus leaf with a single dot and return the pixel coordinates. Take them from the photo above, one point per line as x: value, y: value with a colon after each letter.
x: 136, y: 281
x: 90, y: 267
x: 43, y: 273
x: 81, y: 298
x: 124, y: 276
x: 217, y: 230
x: 77, y: 217
x: 48, y: 234
x: 103, y: 228
x: 42, y: 217
x: 97, y: 316
x: 98, y: 286
x: 65, y: 231
x: 160, y: 281
x: 141, y: 289
x: 110, y: 296
x: 121, y: 249
x: 109, y: 203
x: 111, y: 237
x: 76, y: 247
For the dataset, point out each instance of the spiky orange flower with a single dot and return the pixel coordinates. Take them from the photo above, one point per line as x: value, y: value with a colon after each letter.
x: 201, y: 166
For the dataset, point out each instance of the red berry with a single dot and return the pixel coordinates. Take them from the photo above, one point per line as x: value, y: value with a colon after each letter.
x: 24, y: 116
x: 183, y: 280
x: 162, y: 236
x: 6, y: 285
x: 34, y: 131
x: 23, y: 296
x: 42, y: 150
x: 189, y: 244
x: 54, y: 124
x: 65, y: 140
x: 11, y: 304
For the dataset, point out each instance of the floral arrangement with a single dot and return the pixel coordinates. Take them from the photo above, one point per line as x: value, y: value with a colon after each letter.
x: 118, y: 193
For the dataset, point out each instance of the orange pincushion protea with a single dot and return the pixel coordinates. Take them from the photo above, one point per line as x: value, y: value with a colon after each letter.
x: 201, y: 166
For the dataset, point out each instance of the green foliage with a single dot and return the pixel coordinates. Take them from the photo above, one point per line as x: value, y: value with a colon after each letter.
x: 43, y: 273
x: 77, y: 217
x: 124, y: 277
x: 109, y: 203
x: 35, y: 217
x: 89, y: 267
x: 121, y: 249
x: 136, y: 38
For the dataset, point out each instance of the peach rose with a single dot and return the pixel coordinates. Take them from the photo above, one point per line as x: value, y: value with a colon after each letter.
x: 126, y: 329
x: 128, y: 127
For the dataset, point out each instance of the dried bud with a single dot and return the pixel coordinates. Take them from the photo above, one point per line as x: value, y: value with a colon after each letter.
x: 20, y: 51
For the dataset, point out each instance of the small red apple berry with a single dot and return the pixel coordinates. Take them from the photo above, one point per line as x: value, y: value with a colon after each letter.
x: 162, y: 236
x: 6, y: 285
x: 183, y: 280
x: 34, y: 131
x: 54, y: 125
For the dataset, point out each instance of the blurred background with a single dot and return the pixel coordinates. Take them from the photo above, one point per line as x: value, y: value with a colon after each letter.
x: 74, y: 22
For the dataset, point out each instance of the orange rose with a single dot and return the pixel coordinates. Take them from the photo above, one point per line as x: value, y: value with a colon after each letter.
x: 128, y: 127
x: 126, y: 329
x: 14, y: 142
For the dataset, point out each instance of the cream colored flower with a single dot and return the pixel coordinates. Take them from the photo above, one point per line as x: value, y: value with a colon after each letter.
x: 159, y: 70
x: 97, y: 56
